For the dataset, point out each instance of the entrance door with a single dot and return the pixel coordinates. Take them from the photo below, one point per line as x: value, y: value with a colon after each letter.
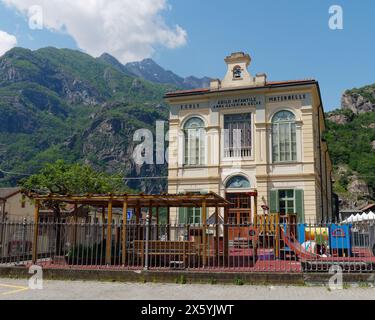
x: 239, y: 216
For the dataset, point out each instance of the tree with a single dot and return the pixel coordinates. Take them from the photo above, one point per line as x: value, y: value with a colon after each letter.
x: 63, y: 179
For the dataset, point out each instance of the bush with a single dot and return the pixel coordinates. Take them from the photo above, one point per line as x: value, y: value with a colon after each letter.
x: 90, y: 255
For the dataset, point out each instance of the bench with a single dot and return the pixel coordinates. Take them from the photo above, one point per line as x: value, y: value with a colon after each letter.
x: 170, y: 249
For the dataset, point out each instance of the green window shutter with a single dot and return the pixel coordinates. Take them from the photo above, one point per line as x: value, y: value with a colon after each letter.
x: 182, y: 216
x: 299, y: 205
x: 274, y: 201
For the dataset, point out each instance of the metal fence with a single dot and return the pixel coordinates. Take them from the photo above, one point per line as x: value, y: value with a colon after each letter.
x: 268, y: 246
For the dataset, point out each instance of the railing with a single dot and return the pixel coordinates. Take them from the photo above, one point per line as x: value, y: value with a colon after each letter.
x: 270, y: 245
x: 242, y: 152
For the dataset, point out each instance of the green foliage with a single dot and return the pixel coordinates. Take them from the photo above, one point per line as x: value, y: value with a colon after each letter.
x: 350, y: 144
x: 181, y: 279
x: 57, y: 98
x: 238, y: 281
x: 63, y: 178
x: 89, y: 255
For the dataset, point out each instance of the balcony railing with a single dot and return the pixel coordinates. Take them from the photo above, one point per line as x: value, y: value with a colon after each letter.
x: 232, y: 152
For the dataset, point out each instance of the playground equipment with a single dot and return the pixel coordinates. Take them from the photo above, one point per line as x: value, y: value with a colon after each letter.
x: 288, y: 238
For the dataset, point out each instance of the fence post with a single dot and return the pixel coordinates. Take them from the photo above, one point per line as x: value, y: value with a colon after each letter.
x: 108, y: 255
x: 36, y: 232
x: 24, y: 237
x: 226, y: 236
x: 124, y: 233
x: 204, y: 235
x: 147, y: 240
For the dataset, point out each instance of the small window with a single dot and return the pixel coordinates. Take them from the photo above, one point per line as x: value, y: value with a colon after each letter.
x: 192, y: 216
x: 286, y: 202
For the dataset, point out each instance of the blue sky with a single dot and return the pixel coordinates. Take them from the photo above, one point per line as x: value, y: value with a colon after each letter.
x: 287, y: 39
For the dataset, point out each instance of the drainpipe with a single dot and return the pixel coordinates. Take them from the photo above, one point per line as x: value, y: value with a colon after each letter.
x: 320, y: 164
x: 326, y: 182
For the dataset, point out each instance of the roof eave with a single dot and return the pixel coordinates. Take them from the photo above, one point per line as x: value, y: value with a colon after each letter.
x: 177, y: 94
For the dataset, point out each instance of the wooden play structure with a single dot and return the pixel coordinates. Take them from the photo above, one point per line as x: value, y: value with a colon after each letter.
x: 134, y: 236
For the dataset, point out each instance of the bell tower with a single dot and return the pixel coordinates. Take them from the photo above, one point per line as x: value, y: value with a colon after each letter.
x: 238, y: 74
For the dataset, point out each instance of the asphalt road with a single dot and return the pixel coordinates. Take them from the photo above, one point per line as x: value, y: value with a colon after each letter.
x: 78, y: 290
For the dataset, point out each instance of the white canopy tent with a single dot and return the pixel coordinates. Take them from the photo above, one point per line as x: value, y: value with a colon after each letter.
x: 360, y: 217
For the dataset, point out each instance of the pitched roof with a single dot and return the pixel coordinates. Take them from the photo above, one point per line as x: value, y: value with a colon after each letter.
x: 367, y: 207
x: 269, y: 84
x: 6, y: 193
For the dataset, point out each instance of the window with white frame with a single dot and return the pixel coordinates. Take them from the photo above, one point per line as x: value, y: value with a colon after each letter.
x: 238, y: 135
x: 284, y: 146
x: 195, y: 133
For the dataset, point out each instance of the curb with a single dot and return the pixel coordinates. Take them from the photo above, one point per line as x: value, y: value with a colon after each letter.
x: 186, y: 277
x: 181, y: 277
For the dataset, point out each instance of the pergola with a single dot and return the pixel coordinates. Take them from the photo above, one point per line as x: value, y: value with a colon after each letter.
x: 136, y: 202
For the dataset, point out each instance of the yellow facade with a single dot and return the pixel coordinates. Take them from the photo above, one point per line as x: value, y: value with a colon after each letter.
x: 16, y: 206
x: 309, y: 168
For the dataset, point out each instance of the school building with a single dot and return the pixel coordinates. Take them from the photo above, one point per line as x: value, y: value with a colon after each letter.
x: 245, y: 135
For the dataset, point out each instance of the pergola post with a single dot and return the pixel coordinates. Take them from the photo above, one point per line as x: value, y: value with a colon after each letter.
x: 168, y: 222
x: 204, y: 235
x: 75, y: 225
x: 108, y: 257
x: 157, y: 223
x: 124, y: 233
x: 137, y: 220
x: 103, y: 224
x: 36, y: 232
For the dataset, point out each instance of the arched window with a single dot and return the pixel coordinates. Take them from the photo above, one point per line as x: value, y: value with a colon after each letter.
x: 284, y: 146
x: 238, y: 182
x: 194, y: 142
x: 237, y: 72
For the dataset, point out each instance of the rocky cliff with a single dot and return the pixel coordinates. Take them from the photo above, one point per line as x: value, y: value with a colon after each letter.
x: 351, y: 138
x: 360, y: 100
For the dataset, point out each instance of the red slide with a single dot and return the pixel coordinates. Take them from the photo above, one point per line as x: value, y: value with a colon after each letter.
x: 296, y: 247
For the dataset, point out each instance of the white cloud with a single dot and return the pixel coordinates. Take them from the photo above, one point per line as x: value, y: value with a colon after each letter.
x: 128, y: 29
x: 7, y: 42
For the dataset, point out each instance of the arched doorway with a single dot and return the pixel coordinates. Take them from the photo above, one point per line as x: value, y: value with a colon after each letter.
x: 238, y: 192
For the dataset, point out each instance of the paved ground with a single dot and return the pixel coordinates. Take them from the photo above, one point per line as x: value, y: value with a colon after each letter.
x: 77, y: 290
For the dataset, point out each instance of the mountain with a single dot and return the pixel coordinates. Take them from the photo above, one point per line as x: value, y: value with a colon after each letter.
x: 113, y: 62
x: 354, y: 162
x: 61, y: 103
x: 148, y: 69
